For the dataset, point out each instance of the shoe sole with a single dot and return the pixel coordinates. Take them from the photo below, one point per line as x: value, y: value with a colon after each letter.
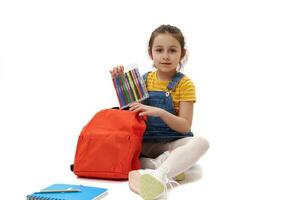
x: 180, y: 177
x: 150, y: 187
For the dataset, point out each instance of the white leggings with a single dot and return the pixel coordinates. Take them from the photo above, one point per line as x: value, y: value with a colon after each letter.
x: 184, y: 153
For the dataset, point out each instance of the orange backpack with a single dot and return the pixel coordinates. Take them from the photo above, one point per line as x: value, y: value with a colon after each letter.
x: 109, y: 145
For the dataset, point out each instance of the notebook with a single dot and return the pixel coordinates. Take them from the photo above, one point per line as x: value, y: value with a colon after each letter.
x: 130, y: 87
x: 85, y: 193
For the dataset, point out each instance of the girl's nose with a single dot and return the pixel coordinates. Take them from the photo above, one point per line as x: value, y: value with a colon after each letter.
x: 165, y: 56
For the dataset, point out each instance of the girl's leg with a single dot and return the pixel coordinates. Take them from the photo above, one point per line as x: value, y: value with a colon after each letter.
x: 184, y: 153
x: 150, y: 150
x: 151, y: 153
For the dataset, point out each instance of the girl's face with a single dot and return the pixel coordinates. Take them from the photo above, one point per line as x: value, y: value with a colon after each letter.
x: 166, y: 53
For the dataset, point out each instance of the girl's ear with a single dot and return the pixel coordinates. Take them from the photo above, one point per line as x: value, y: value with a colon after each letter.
x: 150, y: 53
x: 183, y: 53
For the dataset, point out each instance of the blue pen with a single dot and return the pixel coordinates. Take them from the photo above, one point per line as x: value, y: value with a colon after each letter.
x: 57, y: 191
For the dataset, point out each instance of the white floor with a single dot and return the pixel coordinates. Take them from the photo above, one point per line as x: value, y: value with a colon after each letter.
x: 244, y: 58
x: 249, y: 167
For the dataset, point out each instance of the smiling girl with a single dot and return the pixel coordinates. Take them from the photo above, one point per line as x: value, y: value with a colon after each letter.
x: 169, y: 147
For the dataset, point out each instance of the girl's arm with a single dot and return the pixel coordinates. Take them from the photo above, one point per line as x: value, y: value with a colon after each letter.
x: 181, y: 123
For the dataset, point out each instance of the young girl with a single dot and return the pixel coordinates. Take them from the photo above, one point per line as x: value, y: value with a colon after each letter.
x: 169, y: 147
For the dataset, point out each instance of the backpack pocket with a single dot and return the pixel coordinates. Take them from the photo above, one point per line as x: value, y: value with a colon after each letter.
x: 102, y: 155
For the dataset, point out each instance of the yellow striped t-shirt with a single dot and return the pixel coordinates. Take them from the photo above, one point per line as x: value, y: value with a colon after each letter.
x: 184, y: 91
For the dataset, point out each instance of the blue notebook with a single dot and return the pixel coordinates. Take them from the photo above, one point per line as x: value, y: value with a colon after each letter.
x: 85, y: 193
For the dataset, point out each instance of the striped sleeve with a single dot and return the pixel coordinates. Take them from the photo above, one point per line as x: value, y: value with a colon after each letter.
x: 187, y: 90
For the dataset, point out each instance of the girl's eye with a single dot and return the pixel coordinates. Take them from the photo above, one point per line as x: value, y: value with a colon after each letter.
x: 158, y: 50
x: 173, y: 50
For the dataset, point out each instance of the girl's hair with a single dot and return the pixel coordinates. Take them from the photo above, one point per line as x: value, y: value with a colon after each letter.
x: 176, y: 33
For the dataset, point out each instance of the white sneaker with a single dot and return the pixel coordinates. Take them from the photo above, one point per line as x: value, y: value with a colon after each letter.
x: 149, y: 163
x: 153, y: 184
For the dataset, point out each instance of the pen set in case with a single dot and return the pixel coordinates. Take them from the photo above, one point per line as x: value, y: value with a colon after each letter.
x: 130, y: 87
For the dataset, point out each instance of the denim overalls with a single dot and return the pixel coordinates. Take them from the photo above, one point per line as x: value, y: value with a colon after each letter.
x: 157, y: 130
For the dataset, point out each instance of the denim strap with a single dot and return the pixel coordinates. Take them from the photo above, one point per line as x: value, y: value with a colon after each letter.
x: 145, y: 77
x: 175, y: 80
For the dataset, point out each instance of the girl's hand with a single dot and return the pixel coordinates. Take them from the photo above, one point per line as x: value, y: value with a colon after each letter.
x: 117, y: 71
x: 146, y: 110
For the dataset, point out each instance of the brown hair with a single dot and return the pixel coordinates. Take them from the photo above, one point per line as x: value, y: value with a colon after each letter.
x: 175, y: 32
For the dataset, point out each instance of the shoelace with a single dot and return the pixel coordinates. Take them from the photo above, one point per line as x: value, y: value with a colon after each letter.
x: 168, y: 183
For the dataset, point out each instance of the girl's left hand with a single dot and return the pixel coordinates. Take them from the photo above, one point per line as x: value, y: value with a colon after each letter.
x: 146, y: 110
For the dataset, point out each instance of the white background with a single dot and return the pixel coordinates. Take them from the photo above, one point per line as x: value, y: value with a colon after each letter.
x: 244, y: 58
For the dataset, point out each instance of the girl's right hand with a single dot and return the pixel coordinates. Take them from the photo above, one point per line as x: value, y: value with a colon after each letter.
x: 117, y: 71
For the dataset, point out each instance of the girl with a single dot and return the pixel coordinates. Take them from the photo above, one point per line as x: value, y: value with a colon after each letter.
x: 169, y: 148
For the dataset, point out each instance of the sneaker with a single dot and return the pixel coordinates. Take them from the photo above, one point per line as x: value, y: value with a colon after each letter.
x: 149, y: 163
x: 153, y: 184
x: 180, y: 177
